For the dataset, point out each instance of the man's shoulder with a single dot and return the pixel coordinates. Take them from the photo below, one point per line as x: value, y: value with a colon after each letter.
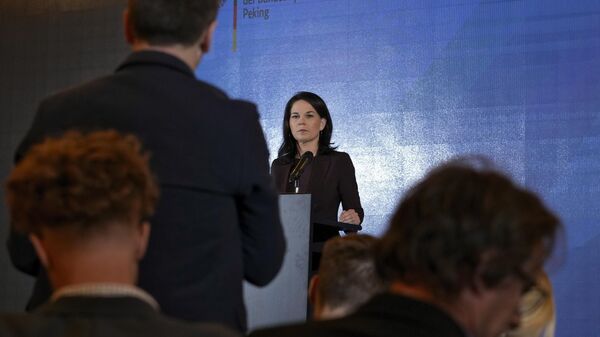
x: 77, y: 91
x: 238, y: 106
x: 123, y: 87
x: 36, y: 324
x: 385, y: 315
x: 341, y: 327
x: 213, y: 90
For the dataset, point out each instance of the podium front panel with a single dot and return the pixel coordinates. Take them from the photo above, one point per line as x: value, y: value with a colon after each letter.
x: 284, y: 300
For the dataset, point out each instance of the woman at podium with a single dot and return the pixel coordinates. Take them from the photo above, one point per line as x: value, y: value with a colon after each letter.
x: 329, y: 176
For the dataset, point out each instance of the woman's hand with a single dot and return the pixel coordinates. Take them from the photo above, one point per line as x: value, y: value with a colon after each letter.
x: 350, y: 216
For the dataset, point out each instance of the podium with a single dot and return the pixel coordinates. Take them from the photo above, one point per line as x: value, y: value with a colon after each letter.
x: 285, y: 299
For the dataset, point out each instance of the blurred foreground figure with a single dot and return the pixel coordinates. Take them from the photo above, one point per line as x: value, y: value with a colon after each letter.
x: 84, y: 202
x: 217, y: 222
x: 347, y: 277
x: 462, y: 248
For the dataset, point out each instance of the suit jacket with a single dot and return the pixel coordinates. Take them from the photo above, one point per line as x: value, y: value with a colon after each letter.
x: 217, y: 220
x: 332, y: 180
x: 102, y: 316
x: 385, y: 315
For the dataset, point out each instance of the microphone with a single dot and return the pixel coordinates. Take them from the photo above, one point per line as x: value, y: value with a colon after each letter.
x: 299, y: 168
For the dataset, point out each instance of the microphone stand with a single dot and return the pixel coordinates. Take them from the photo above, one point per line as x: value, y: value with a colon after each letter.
x: 298, y: 169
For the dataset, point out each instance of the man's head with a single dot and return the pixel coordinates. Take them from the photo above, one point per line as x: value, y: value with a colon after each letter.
x: 469, y: 240
x: 171, y: 22
x: 347, y: 277
x: 84, y: 198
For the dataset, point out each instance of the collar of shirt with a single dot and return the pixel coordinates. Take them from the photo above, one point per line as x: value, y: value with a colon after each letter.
x: 105, y: 290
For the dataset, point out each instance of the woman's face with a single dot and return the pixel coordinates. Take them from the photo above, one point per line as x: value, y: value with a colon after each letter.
x: 305, y: 122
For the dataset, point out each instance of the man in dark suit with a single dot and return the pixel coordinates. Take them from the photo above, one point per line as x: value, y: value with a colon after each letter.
x: 462, y: 247
x: 217, y: 222
x: 83, y: 201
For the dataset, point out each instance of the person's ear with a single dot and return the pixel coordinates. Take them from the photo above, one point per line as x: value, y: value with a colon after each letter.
x: 312, y: 289
x: 479, y: 282
x: 143, y: 236
x: 128, y: 27
x: 207, y: 39
x: 40, y: 250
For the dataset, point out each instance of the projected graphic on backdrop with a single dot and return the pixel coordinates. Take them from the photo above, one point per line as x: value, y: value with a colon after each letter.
x: 251, y: 9
x: 411, y: 83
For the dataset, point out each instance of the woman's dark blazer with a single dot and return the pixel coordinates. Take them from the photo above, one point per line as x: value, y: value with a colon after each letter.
x: 332, y: 180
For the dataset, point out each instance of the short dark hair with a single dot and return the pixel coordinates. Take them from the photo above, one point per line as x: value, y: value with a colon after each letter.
x: 288, y: 147
x: 464, y: 219
x: 347, y: 274
x: 81, y: 182
x: 166, y: 22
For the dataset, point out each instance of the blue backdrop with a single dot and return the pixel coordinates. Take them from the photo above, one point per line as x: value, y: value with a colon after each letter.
x: 411, y: 83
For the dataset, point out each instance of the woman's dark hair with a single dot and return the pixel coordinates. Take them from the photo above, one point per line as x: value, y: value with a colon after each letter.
x: 288, y: 147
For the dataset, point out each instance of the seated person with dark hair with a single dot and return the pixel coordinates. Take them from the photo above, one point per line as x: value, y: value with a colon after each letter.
x: 462, y: 248
x: 347, y: 277
x: 83, y: 200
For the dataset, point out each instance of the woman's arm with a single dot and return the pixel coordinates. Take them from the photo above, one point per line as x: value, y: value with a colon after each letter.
x: 348, y: 189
